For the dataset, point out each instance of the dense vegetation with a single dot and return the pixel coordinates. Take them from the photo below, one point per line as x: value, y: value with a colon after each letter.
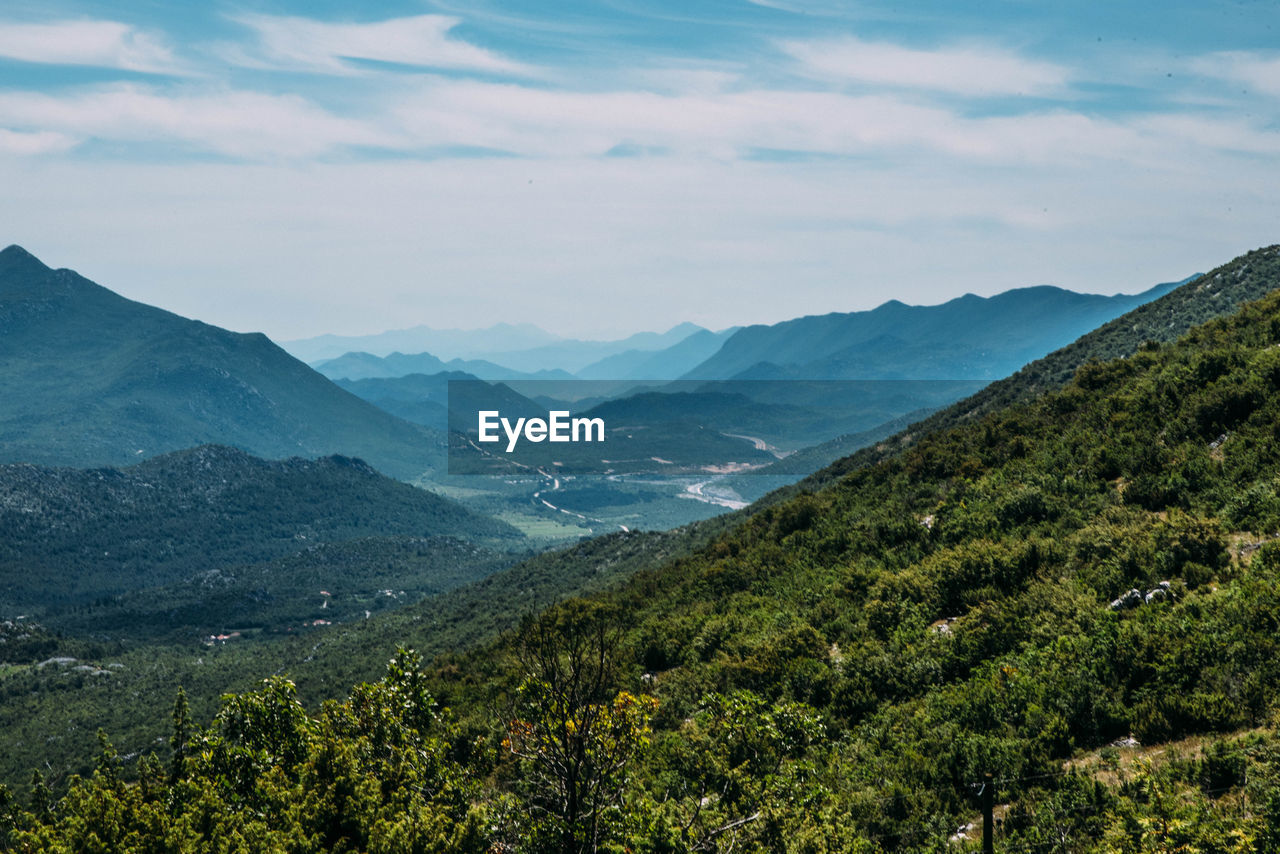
x: 50, y: 709
x: 73, y: 537
x: 326, y: 584
x: 1016, y: 595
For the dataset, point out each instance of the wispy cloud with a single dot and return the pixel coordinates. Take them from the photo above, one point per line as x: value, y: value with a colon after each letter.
x: 306, y: 44
x: 39, y: 142
x: 233, y: 123
x: 818, y: 149
x: 439, y: 113
x: 1258, y: 71
x: 968, y: 71
x: 101, y: 44
x: 729, y: 125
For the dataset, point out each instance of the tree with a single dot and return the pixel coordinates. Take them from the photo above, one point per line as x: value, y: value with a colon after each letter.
x: 574, y: 732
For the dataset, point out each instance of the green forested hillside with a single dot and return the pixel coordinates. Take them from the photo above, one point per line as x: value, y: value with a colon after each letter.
x: 49, y: 713
x: 324, y: 584
x: 1037, y: 594
x: 73, y: 536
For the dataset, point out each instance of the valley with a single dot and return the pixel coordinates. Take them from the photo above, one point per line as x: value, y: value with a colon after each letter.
x: 213, y: 568
x: 766, y: 427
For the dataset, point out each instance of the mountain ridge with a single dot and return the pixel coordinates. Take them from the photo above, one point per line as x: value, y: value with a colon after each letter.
x: 93, y: 378
x: 1223, y: 289
x: 985, y: 337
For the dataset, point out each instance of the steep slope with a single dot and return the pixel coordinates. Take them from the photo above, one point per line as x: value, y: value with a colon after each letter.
x: 966, y: 338
x: 1223, y: 290
x: 90, y: 378
x: 1052, y: 577
x: 74, y: 535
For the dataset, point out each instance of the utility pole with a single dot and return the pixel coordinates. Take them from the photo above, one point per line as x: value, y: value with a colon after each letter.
x: 988, y: 821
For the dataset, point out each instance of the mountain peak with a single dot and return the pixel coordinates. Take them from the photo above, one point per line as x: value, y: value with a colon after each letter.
x: 15, y: 259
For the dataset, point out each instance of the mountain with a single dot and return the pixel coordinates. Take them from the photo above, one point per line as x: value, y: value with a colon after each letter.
x: 1221, y: 291
x: 965, y: 608
x: 1070, y: 599
x: 448, y: 400
x: 75, y: 535
x: 969, y: 337
x: 495, y: 357
x: 449, y: 343
x: 573, y: 355
x: 360, y: 366
x: 91, y: 378
x: 667, y: 364
x: 419, y: 398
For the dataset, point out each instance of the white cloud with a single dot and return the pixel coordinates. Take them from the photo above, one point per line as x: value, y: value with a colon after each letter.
x: 442, y: 113
x: 240, y: 124
x: 1259, y: 72
x: 434, y: 113
x: 40, y: 142
x: 729, y: 125
x: 103, y: 44
x: 1217, y: 134
x: 304, y: 44
x: 969, y: 71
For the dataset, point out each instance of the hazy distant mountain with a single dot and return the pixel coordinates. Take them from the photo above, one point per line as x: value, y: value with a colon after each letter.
x: 667, y: 364
x: 426, y: 399
x: 88, y: 377
x: 447, y: 343
x: 360, y: 366
x: 969, y: 337
x: 557, y: 361
x: 572, y: 355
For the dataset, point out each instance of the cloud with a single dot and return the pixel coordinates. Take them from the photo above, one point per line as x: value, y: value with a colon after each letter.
x: 1260, y: 72
x: 1218, y: 134
x: 967, y: 71
x: 305, y: 44
x: 233, y: 123
x: 101, y: 44
x: 434, y: 114
x: 730, y: 125
x: 40, y: 142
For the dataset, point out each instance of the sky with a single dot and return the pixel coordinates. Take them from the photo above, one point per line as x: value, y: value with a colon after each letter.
x: 601, y: 168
